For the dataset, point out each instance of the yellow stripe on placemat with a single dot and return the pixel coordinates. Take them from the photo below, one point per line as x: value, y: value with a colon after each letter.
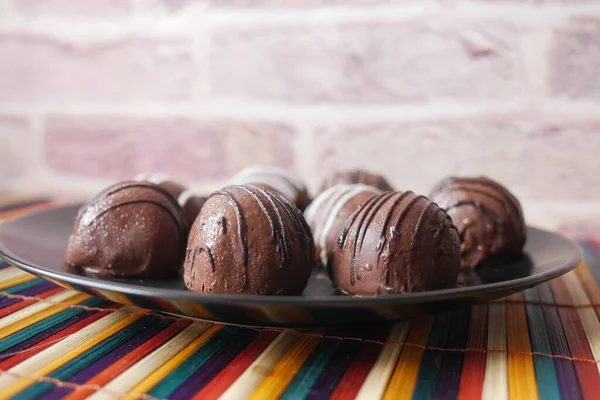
x: 495, y: 380
x: 36, y: 312
x: 589, y: 283
x: 64, y: 351
x: 378, y: 377
x: 165, y: 369
x: 283, y: 373
x: 587, y: 315
x: 16, y: 281
x: 152, y: 362
x: 261, y: 367
x: 521, y: 373
x: 11, y: 273
x: 404, y: 378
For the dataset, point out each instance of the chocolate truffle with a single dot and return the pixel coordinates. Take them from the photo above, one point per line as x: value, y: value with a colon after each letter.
x: 188, y: 200
x: 396, y: 243
x: 357, y: 176
x: 488, y: 217
x: 131, y: 229
x: 249, y: 240
x: 275, y: 179
x: 329, y: 211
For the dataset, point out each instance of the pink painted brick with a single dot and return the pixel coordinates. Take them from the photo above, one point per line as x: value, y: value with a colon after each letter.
x: 166, y: 7
x: 537, y: 2
x: 575, y: 60
x: 15, y: 138
x: 301, y: 3
x: 74, y: 8
x: 538, y: 159
x: 194, y: 151
x: 36, y: 68
x: 369, y: 63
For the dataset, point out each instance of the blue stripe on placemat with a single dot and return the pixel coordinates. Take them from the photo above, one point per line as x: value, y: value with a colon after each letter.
x: 311, y: 370
x: 540, y: 343
x: 95, y: 353
x: 565, y: 371
x: 452, y: 361
x: 44, y: 328
x: 431, y: 361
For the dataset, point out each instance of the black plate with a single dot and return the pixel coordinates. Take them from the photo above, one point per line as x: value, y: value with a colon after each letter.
x: 37, y: 242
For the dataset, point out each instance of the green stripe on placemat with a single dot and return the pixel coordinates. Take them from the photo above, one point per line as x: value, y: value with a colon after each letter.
x: 46, y: 324
x: 311, y: 370
x: 544, y: 366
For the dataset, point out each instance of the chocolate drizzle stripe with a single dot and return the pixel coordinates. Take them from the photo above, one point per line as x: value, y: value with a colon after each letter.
x: 422, y: 217
x: 487, y: 183
x: 180, y: 228
x: 331, y: 214
x: 486, y: 211
x: 279, y: 232
x: 368, y: 213
x: 342, y: 239
x: 367, y: 222
x: 506, y: 205
x: 382, y: 234
x: 176, y: 212
x: 241, y: 222
x: 298, y: 219
x: 156, y: 188
x: 405, y: 211
x: 199, y: 249
x: 299, y: 222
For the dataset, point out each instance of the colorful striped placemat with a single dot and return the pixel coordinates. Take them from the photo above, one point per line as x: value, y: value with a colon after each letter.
x: 56, y: 343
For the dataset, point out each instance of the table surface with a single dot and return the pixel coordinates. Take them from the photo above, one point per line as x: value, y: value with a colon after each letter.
x: 56, y: 343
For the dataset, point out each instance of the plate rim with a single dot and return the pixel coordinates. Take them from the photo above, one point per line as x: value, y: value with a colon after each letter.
x: 342, y: 300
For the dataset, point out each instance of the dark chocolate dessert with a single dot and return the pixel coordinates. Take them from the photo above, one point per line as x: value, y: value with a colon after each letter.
x: 357, y: 176
x: 329, y: 211
x: 275, y: 179
x: 249, y: 240
x: 396, y: 243
x: 187, y: 199
x: 488, y: 217
x: 131, y: 229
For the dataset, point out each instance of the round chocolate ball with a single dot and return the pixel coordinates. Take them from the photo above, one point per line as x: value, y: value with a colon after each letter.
x: 275, y: 179
x: 188, y: 200
x: 249, y: 240
x: 396, y: 243
x: 488, y: 217
x: 131, y: 229
x: 357, y: 176
x: 329, y: 211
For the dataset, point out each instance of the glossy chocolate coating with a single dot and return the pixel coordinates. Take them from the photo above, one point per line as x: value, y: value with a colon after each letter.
x: 131, y: 229
x: 396, y: 243
x: 274, y: 179
x: 329, y: 211
x: 249, y: 240
x: 189, y: 201
x: 488, y: 217
x: 357, y: 176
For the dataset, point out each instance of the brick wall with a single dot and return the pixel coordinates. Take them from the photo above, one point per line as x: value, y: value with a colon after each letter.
x: 92, y: 91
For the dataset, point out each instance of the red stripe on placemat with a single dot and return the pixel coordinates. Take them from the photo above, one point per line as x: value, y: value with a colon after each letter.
x: 357, y: 372
x: 473, y: 371
x: 130, y: 359
x: 46, y: 343
x: 236, y: 367
x: 587, y: 373
x: 24, y: 303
